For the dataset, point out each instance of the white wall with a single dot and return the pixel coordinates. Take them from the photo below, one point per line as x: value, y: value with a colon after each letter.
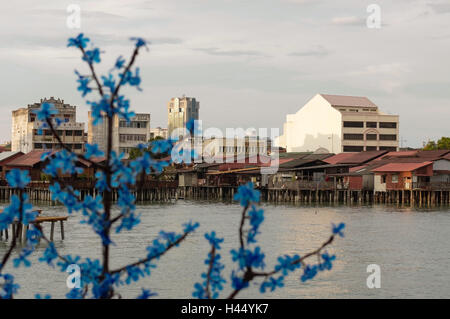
x: 315, y: 125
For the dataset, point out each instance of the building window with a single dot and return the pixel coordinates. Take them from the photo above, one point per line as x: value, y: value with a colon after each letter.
x: 78, y: 133
x: 38, y: 145
x: 371, y: 137
x: 358, y: 137
x: 383, y: 179
x: 77, y: 146
x: 353, y: 124
x: 353, y: 148
x: 394, y: 178
x: 371, y: 148
x: 69, y: 133
x: 388, y: 125
x: 388, y: 148
x: 388, y: 137
x: 371, y: 124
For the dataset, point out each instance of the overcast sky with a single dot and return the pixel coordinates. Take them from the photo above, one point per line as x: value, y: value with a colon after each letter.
x: 249, y: 63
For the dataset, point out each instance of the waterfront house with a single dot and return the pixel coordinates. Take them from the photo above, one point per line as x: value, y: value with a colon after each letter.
x: 5, y: 158
x: 402, y: 176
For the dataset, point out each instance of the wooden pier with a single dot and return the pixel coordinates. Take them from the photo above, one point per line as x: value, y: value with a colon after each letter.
x: 21, y: 230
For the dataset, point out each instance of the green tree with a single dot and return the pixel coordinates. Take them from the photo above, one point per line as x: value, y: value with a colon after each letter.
x: 442, y: 144
x: 136, y: 152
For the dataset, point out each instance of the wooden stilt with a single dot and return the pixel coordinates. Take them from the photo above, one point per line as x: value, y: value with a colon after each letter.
x: 52, y: 230
x: 61, y: 223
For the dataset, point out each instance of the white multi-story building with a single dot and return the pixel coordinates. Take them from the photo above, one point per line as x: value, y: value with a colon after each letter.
x: 340, y: 124
x: 126, y: 135
x: 158, y: 131
x: 25, y: 135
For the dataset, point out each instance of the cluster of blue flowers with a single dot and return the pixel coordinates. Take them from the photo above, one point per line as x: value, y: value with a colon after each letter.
x: 19, y: 210
x: 213, y: 281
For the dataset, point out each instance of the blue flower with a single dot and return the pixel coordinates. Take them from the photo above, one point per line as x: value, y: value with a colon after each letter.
x: 92, y: 150
x: 213, y: 240
x: 327, y: 261
x: 256, y: 217
x: 337, y: 230
x: 23, y: 258
x: 18, y: 178
x: 247, y: 258
x: 84, y: 82
x: 132, y: 80
x: 272, y: 284
x: 119, y: 63
x: 45, y: 111
x: 247, y: 194
x: 309, y: 272
x: 146, y: 294
x: 190, y: 227
x: 80, y: 41
x: 109, y: 82
x: 161, y: 146
x: 140, y: 42
x: 287, y: 263
x: 92, y: 56
x: 47, y: 296
x: 8, y: 288
x: 75, y: 293
x: 128, y: 222
x: 50, y: 254
x: 237, y: 282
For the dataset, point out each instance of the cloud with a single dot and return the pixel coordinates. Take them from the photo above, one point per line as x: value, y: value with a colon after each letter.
x: 219, y: 52
x: 393, y: 69
x: 440, y: 8
x: 318, y: 51
x: 349, y: 21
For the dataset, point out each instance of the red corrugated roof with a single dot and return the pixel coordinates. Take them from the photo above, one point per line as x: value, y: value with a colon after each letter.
x: 362, y: 157
x: 28, y: 160
x: 433, y: 154
x: 401, y: 167
x: 338, y: 158
x: 356, y: 168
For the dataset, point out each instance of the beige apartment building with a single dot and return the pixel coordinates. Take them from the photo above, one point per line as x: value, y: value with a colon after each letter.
x: 25, y: 135
x: 158, y: 131
x: 126, y: 135
x: 340, y: 123
x: 180, y: 111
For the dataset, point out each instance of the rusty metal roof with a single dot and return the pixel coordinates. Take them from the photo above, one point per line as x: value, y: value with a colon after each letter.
x: 401, y: 167
x: 338, y: 158
x: 29, y: 159
x: 362, y: 157
x: 343, y: 100
x: 6, y: 155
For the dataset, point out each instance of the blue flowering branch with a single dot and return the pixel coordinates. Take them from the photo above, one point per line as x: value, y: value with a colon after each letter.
x: 120, y: 177
x: 18, y: 213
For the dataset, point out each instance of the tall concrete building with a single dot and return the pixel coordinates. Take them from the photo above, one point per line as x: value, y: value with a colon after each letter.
x: 180, y: 111
x: 25, y: 135
x: 340, y: 124
x: 126, y: 136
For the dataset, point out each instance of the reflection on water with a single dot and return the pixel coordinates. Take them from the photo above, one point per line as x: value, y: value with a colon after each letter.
x: 410, y: 245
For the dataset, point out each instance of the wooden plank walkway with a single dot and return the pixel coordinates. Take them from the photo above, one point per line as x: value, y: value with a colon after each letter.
x: 22, y: 233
